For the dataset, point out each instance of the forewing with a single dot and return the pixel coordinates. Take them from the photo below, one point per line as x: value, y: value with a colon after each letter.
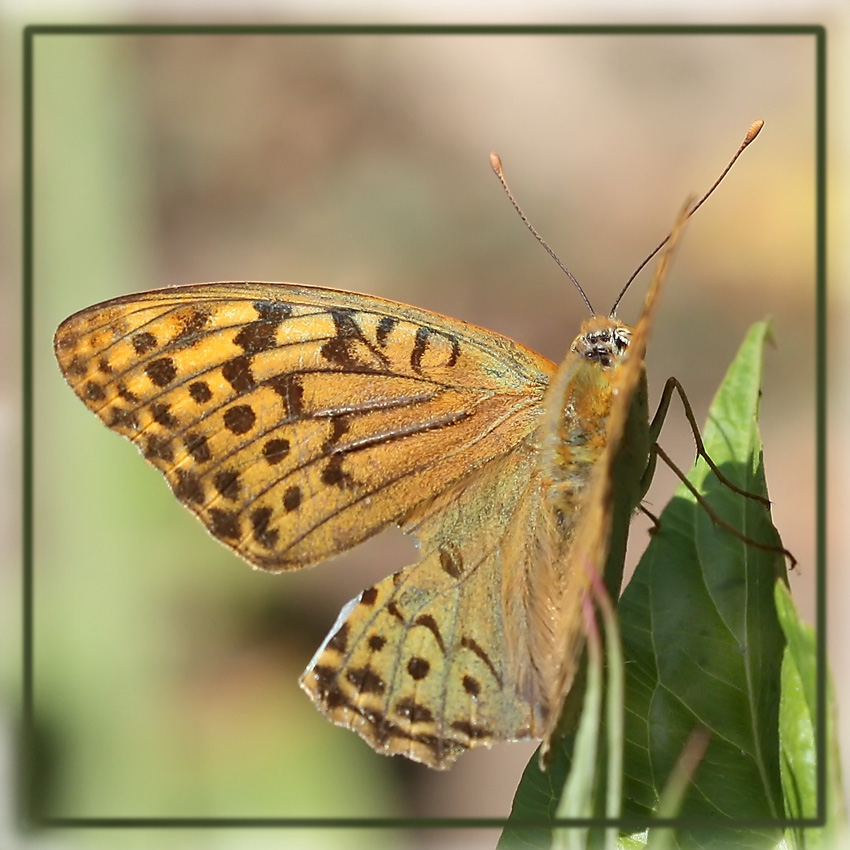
x: 297, y: 421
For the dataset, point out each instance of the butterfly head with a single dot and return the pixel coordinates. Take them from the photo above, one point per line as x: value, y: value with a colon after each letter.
x: 602, y: 340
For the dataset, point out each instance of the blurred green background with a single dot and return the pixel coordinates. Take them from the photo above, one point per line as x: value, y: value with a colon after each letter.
x: 165, y: 670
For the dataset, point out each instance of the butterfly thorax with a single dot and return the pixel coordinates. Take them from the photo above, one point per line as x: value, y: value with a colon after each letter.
x: 573, y: 434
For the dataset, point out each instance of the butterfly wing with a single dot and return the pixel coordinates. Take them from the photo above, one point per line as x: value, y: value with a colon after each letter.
x: 297, y: 421
x: 479, y: 641
x: 417, y: 665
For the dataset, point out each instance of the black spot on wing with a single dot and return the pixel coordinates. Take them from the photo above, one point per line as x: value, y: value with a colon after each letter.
x: 162, y: 414
x: 127, y: 395
x: 342, y: 348
x: 225, y: 523
x: 264, y: 535
x: 78, y: 366
x: 274, y: 451
x: 428, y: 622
x: 369, y: 596
x: 471, y: 686
x: 339, y: 428
x: 339, y: 642
x: 472, y: 645
x: 418, y: 667
x: 192, y: 324
x: 366, y: 680
x: 94, y: 392
x: 226, y: 481
x: 239, y: 419
x: 260, y: 335
x: 290, y: 389
x: 187, y: 488
x: 200, y: 392
x: 123, y: 419
x: 161, y: 372
x: 196, y: 445
x: 326, y: 678
x: 237, y: 373
x: 376, y: 642
x: 334, y: 475
x: 451, y: 561
x: 420, y: 347
x: 292, y: 498
x: 415, y: 712
x: 143, y: 342
x: 157, y: 448
x: 385, y: 327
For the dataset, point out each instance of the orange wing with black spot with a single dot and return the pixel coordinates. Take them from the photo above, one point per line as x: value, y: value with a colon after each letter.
x: 295, y: 421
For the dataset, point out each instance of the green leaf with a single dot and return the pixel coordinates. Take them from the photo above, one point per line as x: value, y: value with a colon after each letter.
x: 700, y: 628
x: 797, y: 742
x: 581, y: 790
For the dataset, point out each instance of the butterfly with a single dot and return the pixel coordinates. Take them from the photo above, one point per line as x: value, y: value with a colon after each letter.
x: 296, y: 422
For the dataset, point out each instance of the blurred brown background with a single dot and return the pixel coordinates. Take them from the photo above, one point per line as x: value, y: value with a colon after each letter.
x: 166, y: 670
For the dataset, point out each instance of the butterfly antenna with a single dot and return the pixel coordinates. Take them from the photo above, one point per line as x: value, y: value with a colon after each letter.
x: 497, y: 167
x: 754, y: 130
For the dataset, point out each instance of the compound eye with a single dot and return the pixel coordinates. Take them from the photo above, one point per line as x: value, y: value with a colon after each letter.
x: 622, y: 339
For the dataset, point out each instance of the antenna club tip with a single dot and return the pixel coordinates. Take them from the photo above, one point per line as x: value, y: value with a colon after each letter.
x: 755, y: 129
x: 496, y: 163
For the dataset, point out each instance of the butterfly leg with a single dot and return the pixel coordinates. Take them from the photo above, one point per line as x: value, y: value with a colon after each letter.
x: 656, y: 451
x: 656, y: 523
x: 715, y: 517
x: 645, y: 482
x: 658, y: 421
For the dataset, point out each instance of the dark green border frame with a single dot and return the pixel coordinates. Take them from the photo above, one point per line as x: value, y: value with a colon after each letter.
x: 29, y: 759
